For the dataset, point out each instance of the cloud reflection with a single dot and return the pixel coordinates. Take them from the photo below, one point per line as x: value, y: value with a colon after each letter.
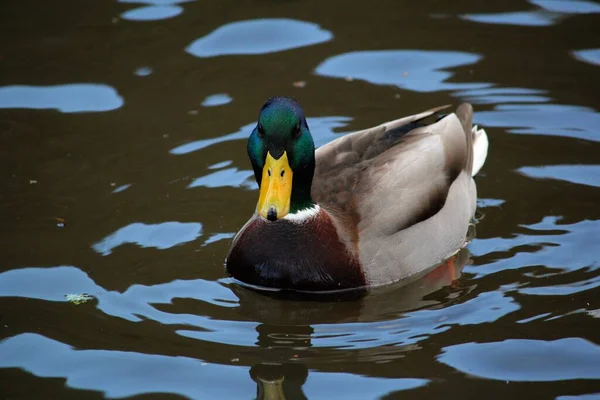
x: 409, y: 329
x: 544, y: 119
x: 567, y: 289
x: 258, y: 36
x: 580, y: 174
x: 152, y: 13
x: 538, y: 360
x: 218, y: 99
x: 322, y: 129
x: 568, y: 7
x: 352, y: 386
x: 226, y: 177
x: 143, y: 71
x: 548, y: 13
x: 123, y: 373
x: 69, y: 98
x: 590, y: 56
x: 522, y: 18
x: 495, y: 95
x: 157, y: 2
x: 51, y: 284
x: 419, y: 71
x: 416, y: 326
x: 160, y: 236
x: 555, y: 246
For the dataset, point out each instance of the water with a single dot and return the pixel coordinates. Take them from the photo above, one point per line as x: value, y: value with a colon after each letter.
x: 124, y: 176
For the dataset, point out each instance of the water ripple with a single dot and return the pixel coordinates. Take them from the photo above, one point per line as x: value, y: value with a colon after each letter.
x: 549, y: 12
x: 544, y: 119
x: 69, y: 98
x: 123, y: 373
x: 50, y: 284
x: 554, y: 245
x: 143, y: 71
x: 157, y: 2
x: 218, y: 99
x: 215, y: 237
x: 121, y: 188
x: 341, y: 385
x: 580, y: 174
x: 160, y: 236
x: 494, y: 95
x: 221, y: 164
x: 538, y: 360
x: 562, y: 290
x: 53, y: 283
x: 419, y: 71
x: 258, y: 36
x: 226, y: 177
x: 591, y: 396
x: 152, y: 13
x: 590, y: 56
x: 321, y: 128
x: 568, y: 7
x: 519, y: 18
x: 415, y: 326
x: 137, y: 303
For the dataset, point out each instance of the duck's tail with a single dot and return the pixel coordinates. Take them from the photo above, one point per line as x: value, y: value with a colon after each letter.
x: 480, y: 148
x: 476, y: 139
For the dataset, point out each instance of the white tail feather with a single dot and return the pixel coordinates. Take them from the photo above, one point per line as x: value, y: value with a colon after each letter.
x: 480, y: 148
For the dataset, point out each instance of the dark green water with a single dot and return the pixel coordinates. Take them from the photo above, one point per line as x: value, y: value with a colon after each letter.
x: 124, y: 175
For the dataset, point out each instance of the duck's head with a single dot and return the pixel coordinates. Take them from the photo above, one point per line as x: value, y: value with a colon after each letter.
x: 282, y: 153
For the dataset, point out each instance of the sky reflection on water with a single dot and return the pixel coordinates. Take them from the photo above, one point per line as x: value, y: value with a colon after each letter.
x: 70, y: 98
x: 177, y: 325
x: 539, y: 360
x: 590, y: 56
x: 218, y: 99
x: 226, y: 177
x: 323, y: 130
x: 416, y: 70
x: 260, y: 36
x: 544, y: 119
x: 549, y: 12
x: 121, y: 373
x: 160, y: 236
x: 152, y: 13
x: 580, y: 174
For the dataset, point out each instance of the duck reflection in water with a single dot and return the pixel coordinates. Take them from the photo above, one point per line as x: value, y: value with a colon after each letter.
x: 279, y: 381
x: 286, y: 335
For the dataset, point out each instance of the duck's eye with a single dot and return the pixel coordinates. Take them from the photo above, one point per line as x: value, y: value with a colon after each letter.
x: 297, y: 131
x: 261, y: 131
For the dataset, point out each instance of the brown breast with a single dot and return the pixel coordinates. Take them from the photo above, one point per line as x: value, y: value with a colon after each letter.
x: 287, y: 255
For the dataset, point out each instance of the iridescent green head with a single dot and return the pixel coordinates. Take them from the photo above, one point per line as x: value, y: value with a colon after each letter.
x: 282, y: 153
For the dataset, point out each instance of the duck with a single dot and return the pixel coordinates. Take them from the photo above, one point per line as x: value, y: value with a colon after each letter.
x: 367, y: 209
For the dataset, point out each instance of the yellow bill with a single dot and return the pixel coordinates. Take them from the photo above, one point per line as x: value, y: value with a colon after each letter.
x: 275, y: 188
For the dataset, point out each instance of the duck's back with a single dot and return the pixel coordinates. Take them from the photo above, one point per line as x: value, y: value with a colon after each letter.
x: 401, y: 193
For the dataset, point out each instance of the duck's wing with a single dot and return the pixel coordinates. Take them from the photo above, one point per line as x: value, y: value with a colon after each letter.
x: 409, y: 182
x: 354, y: 147
x: 385, y: 179
x: 361, y: 169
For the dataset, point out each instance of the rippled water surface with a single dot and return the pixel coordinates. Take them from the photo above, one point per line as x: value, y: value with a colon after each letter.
x: 124, y: 176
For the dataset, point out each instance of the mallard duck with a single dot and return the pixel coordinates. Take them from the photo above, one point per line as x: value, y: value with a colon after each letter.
x: 369, y: 208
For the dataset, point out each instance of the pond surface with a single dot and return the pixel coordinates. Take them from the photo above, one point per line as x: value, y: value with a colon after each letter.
x: 124, y: 176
